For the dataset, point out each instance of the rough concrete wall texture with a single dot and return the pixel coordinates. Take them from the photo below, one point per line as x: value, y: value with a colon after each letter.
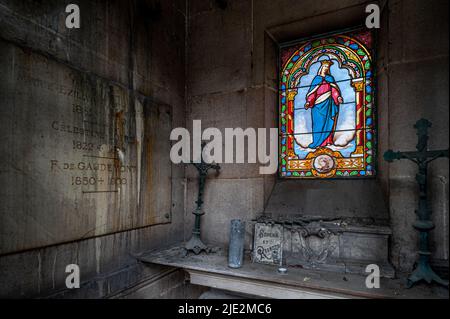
x: 232, y: 82
x: 126, y: 64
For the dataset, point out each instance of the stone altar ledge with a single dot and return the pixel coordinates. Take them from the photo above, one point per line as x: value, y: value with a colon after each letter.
x: 264, y: 281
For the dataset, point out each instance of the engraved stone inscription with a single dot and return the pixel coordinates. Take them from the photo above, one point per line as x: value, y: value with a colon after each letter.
x: 267, y: 247
x: 72, y: 152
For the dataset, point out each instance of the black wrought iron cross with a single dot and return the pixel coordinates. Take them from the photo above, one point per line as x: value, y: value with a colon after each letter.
x: 195, y: 244
x: 423, y: 223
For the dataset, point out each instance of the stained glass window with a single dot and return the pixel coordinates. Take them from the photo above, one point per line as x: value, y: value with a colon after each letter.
x: 327, y: 108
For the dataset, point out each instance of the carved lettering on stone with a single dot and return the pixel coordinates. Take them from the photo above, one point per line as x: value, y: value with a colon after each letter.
x: 267, y: 247
x: 79, y: 153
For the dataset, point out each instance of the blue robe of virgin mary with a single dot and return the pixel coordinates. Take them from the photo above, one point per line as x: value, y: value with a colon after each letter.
x: 323, y: 114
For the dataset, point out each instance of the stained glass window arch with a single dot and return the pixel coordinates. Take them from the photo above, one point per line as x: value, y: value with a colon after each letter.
x: 327, y: 107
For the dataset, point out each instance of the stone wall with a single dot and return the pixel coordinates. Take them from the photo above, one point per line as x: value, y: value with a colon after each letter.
x: 416, y: 77
x: 106, y: 96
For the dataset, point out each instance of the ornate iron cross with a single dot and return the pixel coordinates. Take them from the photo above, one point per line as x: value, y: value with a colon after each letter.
x: 423, y: 223
x: 195, y: 244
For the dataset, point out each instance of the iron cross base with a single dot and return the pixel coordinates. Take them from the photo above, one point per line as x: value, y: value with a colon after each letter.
x: 423, y: 271
x: 423, y: 223
x: 195, y: 244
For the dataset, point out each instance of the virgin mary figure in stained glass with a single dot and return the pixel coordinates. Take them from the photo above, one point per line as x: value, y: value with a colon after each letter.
x: 324, y: 97
x: 321, y: 136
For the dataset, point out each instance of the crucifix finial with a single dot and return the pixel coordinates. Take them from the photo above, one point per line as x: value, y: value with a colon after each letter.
x: 422, y: 127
